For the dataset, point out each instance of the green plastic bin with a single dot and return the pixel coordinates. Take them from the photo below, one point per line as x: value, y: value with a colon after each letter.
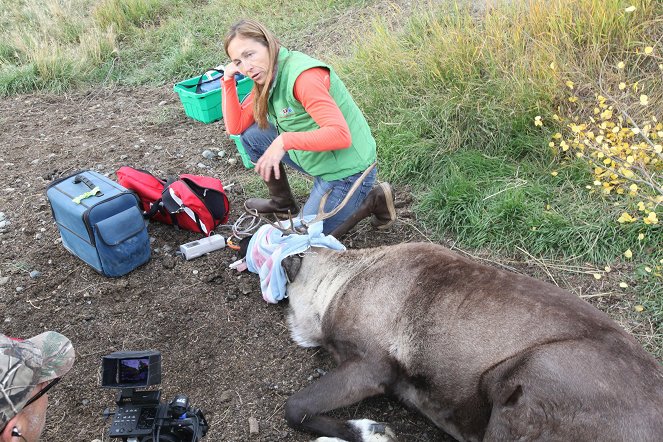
x: 206, y: 106
x: 246, y: 160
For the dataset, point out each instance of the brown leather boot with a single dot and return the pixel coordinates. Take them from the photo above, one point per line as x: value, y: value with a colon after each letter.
x: 281, y: 201
x: 379, y: 204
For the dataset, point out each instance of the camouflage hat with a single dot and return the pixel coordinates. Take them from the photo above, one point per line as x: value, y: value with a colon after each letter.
x: 27, y: 363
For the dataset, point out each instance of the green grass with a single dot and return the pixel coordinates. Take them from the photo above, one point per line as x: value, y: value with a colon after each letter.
x: 452, y: 101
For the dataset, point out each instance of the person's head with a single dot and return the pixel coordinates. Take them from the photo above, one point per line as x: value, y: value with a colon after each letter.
x: 28, y: 368
x: 254, y: 50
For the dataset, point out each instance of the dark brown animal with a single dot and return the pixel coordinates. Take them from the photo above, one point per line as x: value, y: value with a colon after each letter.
x: 484, y: 353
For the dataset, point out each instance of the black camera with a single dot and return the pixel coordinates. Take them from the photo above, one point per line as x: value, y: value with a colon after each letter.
x: 140, y: 416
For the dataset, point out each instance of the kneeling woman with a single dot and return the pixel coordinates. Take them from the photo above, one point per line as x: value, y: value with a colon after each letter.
x: 300, y: 113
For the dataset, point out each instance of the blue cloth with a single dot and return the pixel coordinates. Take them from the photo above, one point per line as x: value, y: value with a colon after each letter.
x: 269, y: 247
x: 256, y: 141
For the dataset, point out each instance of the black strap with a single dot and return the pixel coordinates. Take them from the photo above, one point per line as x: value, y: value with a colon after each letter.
x: 200, y: 80
x: 156, y: 206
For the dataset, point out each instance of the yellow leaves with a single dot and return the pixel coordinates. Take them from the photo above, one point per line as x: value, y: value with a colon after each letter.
x: 623, y: 285
x: 621, y: 65
x: 649, y: 50
x: 628, y: 254
x: 553, y: 66
x: 596, y: 275
x: 537, y: 121
x: 630, y: 9
x: 626, y: 218
x: 638, y: 308
x: 619, y: 150
x: 651, y: 219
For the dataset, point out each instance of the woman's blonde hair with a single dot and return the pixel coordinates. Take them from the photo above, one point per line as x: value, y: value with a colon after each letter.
x: 257, y: 31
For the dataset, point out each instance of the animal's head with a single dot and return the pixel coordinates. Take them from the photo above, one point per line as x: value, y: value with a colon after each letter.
x: 291, y: 264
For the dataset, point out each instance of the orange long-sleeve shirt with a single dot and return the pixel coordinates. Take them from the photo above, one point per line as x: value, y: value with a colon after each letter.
x: 312, y: 91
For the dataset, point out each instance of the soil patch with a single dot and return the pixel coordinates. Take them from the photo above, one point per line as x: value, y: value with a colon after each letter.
x: 222, y: 345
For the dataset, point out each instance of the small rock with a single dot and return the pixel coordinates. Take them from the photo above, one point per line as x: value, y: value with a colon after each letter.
x: 253, y: 426
x: 168, y: 262
x: 19, y: 289
x: 35, y: 274
x: 232, y: 161
x: 4, y: 280
x: 124, y: 157
x: 152, y: 239
x: 201, y: 166
x: 166, y: 248
x: 35, y: 161
x: 85, y: 401
x: 161, y: 103
x: 38, y: 236
x: 221, y: 153
x: 8, y: 319
x: 208, y: 154
x: 226, y: 396
x: 195, y: 272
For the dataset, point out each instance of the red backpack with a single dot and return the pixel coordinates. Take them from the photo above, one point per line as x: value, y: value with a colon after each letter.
x: 191, y: 202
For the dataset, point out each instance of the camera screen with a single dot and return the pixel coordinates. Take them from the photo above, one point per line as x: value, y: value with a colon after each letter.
x: 133, y: 371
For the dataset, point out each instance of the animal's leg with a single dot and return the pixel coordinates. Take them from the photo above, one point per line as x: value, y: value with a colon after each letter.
x: 347, y: 384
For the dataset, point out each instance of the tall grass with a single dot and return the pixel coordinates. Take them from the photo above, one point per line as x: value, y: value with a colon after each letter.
x: 56, y: 44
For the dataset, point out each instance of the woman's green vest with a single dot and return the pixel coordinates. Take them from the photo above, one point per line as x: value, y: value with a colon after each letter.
x: 288, y: 115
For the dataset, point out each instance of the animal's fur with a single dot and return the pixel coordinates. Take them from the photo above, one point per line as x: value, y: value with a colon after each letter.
x: 484, y: 353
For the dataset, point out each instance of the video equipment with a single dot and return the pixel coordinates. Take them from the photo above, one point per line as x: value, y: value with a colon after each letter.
x: 140, y: 416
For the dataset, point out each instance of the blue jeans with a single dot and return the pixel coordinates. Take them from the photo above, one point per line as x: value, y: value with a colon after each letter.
x: 256, y: 141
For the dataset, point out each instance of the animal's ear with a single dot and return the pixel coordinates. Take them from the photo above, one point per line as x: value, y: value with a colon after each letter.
x: 291, y: 265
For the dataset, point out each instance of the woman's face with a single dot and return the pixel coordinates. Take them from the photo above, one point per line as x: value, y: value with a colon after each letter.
x: 251, y: 58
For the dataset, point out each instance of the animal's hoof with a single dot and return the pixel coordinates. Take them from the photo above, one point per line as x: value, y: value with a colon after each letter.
x: 378, y: 428
x: 372, y: 431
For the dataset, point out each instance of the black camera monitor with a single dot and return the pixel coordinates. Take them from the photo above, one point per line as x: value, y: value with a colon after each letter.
x: 131, y: 369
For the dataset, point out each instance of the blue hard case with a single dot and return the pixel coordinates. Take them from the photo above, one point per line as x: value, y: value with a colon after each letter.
x: 106, y: 230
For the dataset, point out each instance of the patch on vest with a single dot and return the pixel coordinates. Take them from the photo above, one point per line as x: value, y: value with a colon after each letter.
x: 285, y: 112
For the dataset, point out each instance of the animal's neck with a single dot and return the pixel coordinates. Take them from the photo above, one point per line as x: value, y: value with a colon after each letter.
x: 322, y: 275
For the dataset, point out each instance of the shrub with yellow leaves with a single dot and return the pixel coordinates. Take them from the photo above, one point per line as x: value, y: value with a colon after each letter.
x: 625, y: 155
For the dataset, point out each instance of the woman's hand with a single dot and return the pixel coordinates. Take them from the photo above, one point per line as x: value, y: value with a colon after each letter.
x: 230, y: 70
x: 270, y: 160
